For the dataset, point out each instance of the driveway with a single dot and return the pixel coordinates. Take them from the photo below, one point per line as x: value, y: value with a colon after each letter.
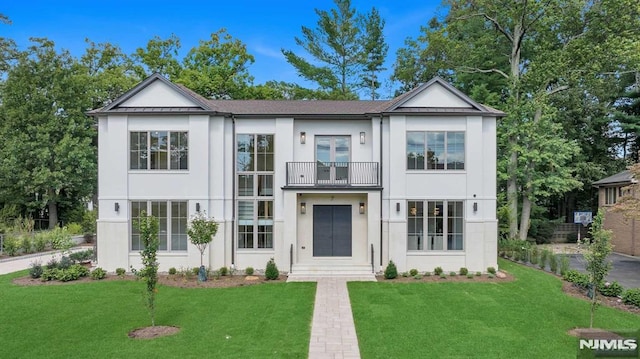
x: 625, y: 269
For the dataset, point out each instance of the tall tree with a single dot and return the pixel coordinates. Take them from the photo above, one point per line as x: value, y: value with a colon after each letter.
x: 158, y: 56
x: 338, y: 45
x: 218, y: 68
x: 374, y: 51
x: 46, y: 157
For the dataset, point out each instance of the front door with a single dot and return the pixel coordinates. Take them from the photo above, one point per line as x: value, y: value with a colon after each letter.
x: 332, y: 231
x: 332, y: 159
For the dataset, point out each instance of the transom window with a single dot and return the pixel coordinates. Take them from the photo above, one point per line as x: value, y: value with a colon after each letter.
x: 172, y: 221
x: 435, y: 226
x: 159, y: 150
x: 435, y: 150
x: 254, y: 168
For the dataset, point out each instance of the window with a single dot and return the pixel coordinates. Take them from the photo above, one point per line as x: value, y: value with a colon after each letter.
x: 172, y: 222
x: 611, y: 195
x: 440, y: 228
x: 159, y: 150
x: 254, y: 167
x: 435, y: 150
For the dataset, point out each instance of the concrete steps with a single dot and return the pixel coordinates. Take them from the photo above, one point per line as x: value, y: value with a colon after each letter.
x: 311, y: 272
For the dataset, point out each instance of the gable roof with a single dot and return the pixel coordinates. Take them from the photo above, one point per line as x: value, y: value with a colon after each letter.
x: 624, y: 177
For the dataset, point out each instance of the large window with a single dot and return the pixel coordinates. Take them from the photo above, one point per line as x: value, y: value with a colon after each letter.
x: 159, y: 150
x: 172, y: 221
x: 254, y: 167
x: 435, y: 226
x: 433, y: 150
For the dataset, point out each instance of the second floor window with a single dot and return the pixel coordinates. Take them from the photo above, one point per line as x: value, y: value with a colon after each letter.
x: 435, y: 150
x: 159, y: 150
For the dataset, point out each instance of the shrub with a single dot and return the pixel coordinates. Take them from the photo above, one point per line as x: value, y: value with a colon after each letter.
x: 427, y: 274
x: 173, y: 270
x: 81, y: 256
x: 65, y: 262
x: 417, y: 277
x: 443, y: 276
x: 248, y: 271
x: 89, y: 221
x: 224, y: 271
x: 80, y: 269
x: 405, y: 274
x: 491, y: 270
x: 533, y: 258
x: 464, y: 271
x: 437, y: 270
x: 612, y: 289
x: 49, y: 274
x: 120, y: 272
x: 413, y: 272
x: 452, y: 274
x: 271, y: 272
x: 52, y: 264
x: 544, y: 255
x: 577, y: 278
x: 391, y: 271
x: 35, y: 270
x: 72, y: 273
x: 60, y: 239
x: 564, y: 264
x: 470, y: 276
x: 478, y: 274
x: 75, y: 228
x: 553, y: 263
x: 26, y: 243
x: 40, y: 242
x: 632, y: 296
x: 195, y: 270
x: 490, y: 275
x: 98, y: 274
x: 11, y: 245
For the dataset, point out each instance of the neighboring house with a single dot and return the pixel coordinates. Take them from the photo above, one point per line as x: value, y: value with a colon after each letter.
x: 626, y: 231
x: 321, y: 186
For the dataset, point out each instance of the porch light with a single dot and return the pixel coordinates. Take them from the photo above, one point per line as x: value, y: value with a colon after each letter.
x: 397, y: 206
x: 303, y: 137
x: 362, y: 138
x: 116, y: 207
x: 303, y: 208
x: 361, y: 207
x: 198, y: 207
x: 475, y: 207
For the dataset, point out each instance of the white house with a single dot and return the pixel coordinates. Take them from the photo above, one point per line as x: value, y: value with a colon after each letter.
x: 320, y: 186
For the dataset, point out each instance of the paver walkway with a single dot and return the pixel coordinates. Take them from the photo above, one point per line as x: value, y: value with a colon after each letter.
x: 333, y: 333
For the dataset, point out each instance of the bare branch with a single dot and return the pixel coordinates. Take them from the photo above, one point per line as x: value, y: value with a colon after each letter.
x: 468, y: 69
x: 557, y: 89
x: 495, y: 23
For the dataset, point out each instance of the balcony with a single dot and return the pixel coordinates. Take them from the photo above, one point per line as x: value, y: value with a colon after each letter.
x: 333, y: 174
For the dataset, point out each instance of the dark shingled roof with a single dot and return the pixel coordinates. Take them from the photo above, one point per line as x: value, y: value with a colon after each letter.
x: 624, y: 177
x: 295, y: 107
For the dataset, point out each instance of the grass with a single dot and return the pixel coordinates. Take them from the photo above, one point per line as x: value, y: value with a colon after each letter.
x: 525, y: 318
x: 91, y: 320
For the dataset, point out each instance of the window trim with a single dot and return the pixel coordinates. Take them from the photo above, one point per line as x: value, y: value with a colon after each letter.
x: 445, y: 223
x: 158, y: 170
x: 149, y: 202
x: 446, y: 151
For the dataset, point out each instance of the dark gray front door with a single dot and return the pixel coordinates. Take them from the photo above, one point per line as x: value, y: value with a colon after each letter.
x: 331, y: 231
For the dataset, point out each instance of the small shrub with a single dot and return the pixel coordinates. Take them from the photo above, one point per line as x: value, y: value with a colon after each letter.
x: 464, y: 271
x: 35, y: 270
x: 195, y: 270
x: 89, y: 222
x: 491, y: 270
x: 577, y: 278
x: 405, y: 274
x: 11, y: 245
x: 75, y: 228
x: 427, y: 274
x: 544, y: 255
x: 632, y: 296
x: 612, y: 289
x: 173, y: 270
x: 470, y: 276
x: 491, y: 275
x: 437, y: 270
x: 40, y: 242
x: 65, y: 262
x: 248, y: 271
x: 60, y: 239
x: 72, y: 273
x: 478, y: 274
x: 391, y: 271
x: 98, y: 274
x: 443, y: 276
x: 81, y: 256
x: 80, y: 269
x: 417, y: 277
x: 120, y: 272
x: 224, y: 271
x: 49, y: 274
x: 271, y: 272
x: 533, y: 257
x: 453, y: 274
x: 52, y: 264
x: 413, y: 272
x: 564, y: 264
x: 26, y: 243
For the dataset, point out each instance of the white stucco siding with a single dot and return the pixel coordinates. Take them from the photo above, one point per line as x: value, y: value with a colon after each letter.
x: 158, y: 94
x: 436, y: 96
x: 307, y: 152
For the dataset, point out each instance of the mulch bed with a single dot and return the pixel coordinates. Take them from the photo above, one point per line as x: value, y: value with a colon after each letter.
x: 153, y: 332
x: 457, y: 278
x: 613, y: 302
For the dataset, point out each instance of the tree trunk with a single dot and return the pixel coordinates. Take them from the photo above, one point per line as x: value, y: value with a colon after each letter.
x: 526, y: 216
x: 53, y: 214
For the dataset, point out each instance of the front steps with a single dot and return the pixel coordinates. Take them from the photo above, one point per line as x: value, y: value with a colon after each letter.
x: 311, y: 272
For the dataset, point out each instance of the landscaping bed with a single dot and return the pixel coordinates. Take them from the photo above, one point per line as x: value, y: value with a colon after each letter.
x: 483, y: 278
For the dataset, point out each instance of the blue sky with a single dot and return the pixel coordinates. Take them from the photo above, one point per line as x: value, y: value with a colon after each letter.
x: 264, y: 26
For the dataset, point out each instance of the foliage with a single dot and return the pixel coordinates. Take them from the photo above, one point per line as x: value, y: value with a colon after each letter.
x: 349, y: 47
x: 64, y: 274
x: 491, y: 270
x: 49, y: 274
x: 437, y: 271
x: 553, y: 263
x: 564, y: 264
x: 26, y: 243
x: 11, y: 245
x: 469, y: 275
x: 417, y: 277
x: 74, y: 228
x: 271, y: 272
x: 60, y: 239
x: 172, y: 270
x: 464, y: 271
x: 413, y: 272
x: 52, y: 264
x: 478, y: 274
x: 201, y: 230
x: 534, y: 255
x: 89, y: 222
x: 453, y: 274
x: 65, y: 263
x: 223, y: 271
x: 40, y: 241
x: 99, y: 273
x: 148, y: 227
x: 629, y: 205
x: 612, y: 289
x: 544, y: 257
x: 632, y: 296
x: 81, y: 256
x: 596, y: 256
x: 577, y: 278
x: 35, y: 270
x: 248, y: 271
x: 391, y: 272
x: 120, y: 272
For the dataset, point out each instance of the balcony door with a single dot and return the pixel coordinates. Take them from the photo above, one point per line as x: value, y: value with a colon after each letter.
x: 332, y: 159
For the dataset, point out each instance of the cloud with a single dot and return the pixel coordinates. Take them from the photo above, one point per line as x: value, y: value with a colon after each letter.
x: 268, y: 51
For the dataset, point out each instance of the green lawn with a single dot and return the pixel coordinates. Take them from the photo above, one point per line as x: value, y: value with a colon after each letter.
x: 91, y: 320
x: 525, y: 318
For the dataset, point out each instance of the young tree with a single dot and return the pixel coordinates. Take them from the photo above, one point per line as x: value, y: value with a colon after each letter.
x: 596, y: 258
x: 345, y: 45
x: 149, y: 227
x: 374, y: 51
x: 201, y: 230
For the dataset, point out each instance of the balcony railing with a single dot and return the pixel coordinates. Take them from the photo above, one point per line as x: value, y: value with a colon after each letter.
x: 332, y: 174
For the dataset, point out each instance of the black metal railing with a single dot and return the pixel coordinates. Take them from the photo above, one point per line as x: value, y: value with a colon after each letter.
x: 372, y: 259
x: 333, y: 174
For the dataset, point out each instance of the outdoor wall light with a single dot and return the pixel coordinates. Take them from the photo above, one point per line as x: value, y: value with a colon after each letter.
x: 303, y: 137
x: 475, y: 207
x: 362, y: 138
x: 361, y: 207
x: 303, y: 208
x: 198, y: 207
x: 116, y: 207
x: 397, y: 206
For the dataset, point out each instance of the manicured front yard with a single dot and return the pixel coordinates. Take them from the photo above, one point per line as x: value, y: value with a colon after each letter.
x: 91, y: 320
x: 525, y: 318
